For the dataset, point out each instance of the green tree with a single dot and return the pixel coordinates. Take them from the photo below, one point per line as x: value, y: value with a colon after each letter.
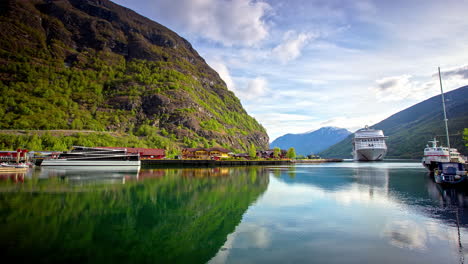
x: 276, y: 152
x: 291, y: 153
x: 252, y: 151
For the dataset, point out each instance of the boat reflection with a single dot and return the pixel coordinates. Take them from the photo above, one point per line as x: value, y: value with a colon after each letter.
x: 452, y: 202
x: 80, y: 175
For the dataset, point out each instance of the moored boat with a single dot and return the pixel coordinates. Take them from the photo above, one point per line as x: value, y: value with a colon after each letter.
x: 435, y: 154
x: 449, y: 173
x: 86, y: 156
x: 369, y: 145
x: 437, y: 158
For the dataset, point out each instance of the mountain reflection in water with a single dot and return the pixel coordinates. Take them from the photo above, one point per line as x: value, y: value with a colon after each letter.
x: 147, y: 216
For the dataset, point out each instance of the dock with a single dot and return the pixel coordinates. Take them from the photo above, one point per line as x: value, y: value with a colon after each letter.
x: 12, y: 170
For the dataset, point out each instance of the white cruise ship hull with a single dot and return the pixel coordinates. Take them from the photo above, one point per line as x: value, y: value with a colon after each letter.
x: 65, y: 162
x: 370, y: 154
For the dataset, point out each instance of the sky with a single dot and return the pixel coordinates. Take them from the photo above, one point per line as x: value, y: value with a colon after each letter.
x: 299, y: 65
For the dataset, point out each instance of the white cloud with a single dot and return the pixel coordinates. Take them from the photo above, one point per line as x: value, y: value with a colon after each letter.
x: 456, y: 72
x: 223, y: 72
x: 255, y: 88
x: 235, y: 22
x: 397, y: 88
x: 292, y: 46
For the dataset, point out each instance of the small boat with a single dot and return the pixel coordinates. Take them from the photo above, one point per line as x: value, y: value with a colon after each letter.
x: 17, y: 165
x: 86, y: 156
x: 449, y: 173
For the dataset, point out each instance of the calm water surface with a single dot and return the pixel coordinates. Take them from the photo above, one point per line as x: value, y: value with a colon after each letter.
x: 389, y: 212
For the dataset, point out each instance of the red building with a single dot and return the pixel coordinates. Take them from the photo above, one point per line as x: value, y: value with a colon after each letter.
x: 13, y: 155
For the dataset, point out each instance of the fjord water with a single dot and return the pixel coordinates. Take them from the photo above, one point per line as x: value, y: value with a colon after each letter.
x: 383, y: 212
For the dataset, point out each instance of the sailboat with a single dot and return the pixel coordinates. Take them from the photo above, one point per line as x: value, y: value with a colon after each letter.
x: 448, y: 168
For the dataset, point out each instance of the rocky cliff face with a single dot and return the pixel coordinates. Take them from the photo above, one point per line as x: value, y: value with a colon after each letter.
x: 92, y: 64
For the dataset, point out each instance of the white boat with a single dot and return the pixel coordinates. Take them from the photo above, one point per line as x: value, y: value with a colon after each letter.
x: 369, y: 144
x: 85, y: 156
x: 17, y: 165
x: 435, y: 154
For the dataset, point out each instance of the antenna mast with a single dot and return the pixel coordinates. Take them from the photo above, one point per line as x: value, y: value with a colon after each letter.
x: 445, y: 114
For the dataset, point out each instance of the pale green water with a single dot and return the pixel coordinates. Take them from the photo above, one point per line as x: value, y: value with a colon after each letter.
x: 331, y: 213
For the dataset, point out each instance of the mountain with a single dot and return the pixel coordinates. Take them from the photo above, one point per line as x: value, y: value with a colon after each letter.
x: 95, y: 65
x: 311, y: 142
x: 409, y: 130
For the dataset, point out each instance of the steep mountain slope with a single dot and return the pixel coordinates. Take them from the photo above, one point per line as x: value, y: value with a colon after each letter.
x: 311, y: 142
x: 409, y: 131
x: 92, y: 64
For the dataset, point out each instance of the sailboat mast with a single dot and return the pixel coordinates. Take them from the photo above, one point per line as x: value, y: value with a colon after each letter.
x: 445, y: 114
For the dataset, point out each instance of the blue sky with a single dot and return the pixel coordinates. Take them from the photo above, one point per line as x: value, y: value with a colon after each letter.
x: 299, y: 65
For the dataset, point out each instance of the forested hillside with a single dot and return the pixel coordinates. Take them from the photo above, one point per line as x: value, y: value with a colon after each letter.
x: 94, y: 65
x: 409, y: 131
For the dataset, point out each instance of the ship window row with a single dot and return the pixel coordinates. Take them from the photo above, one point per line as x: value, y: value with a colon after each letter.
x: 436, y: 149
x: 370, y: 144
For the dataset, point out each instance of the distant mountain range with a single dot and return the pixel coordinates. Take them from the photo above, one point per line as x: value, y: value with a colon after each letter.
x: 311, y: 142
x: 409, y: 131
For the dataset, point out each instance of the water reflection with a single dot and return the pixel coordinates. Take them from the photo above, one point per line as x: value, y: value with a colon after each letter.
x: 356, y: 213
x: 162, y: 216
x: 329, y: 213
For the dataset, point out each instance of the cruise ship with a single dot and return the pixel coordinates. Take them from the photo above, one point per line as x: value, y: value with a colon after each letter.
x: 85, y: 156
x: 369, y: 145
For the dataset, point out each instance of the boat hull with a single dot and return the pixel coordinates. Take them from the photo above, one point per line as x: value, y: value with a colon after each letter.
x: 431, y: 166
x: 449, y: 179
x: 64, y: 162
x: 370, y: 154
